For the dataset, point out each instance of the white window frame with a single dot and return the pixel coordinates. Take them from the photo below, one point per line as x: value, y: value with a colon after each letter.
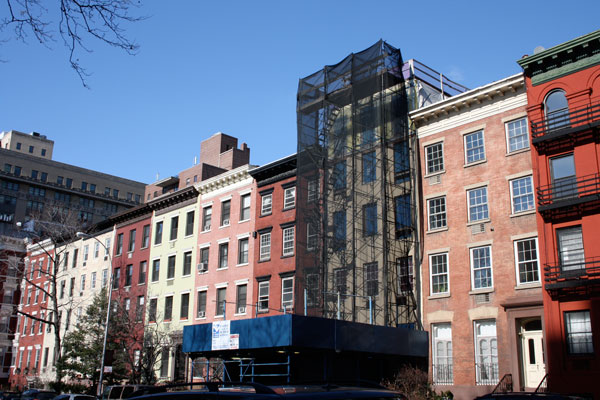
x: 288, y: 241
x: 521, y: 195
x: 485, y: 204
x: 465, y: 139
x: 289, y: 197
x: 522, y: 125
x: 579, y: 338
x: 287, y: 294
x: 312, y: 190
x: 438, y: 213
x: 486, y: 377
x: 266, y: 204
x: 441, y: 354
x: 265, y: 246
x: 472, y: 250
x: 263, y: 295
x: 243, y: 197
x: 428, y: 159
x: 311, y: 237
x: 439, y: 274
x: 519, y: 262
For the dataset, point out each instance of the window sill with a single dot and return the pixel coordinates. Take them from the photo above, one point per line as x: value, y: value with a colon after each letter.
x: 287, y: 256
x: 520, y: 151
x: 481, y: 291
x: 224, y: 226
x: 481, y: 221
x: 219, y: 316
x: 188, y: 236
x: 242, y: 264
x: 221, y: 268
x: 438, y: 296
x: 522, y: 213
x: 142, y: 248
x: 264, y: 260
x: 186, y: 275
x: 243, y: 220
x: 288, y: 208
x: 435, y: 174
x: 200, y: 318
x: 472, y: 164
x: 141, y: 283
x: 266, y: 214
x: 205, y: 231
x: 239, y: 315
x: 444, y: 229
x: 170, y: 279
x: 524, y: 286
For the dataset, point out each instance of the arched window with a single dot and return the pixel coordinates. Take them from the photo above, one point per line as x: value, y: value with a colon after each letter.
x: 556, y: 109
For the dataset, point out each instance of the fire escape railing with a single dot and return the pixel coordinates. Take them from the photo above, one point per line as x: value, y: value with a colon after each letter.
x: 570, y: 188
x: 573, y: 118
x: 574, y: 274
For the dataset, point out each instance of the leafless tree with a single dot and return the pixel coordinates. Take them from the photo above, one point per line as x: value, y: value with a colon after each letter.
x: 78, y: 22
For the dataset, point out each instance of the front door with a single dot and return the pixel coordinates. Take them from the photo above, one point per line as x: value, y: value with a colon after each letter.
x: 534, y: 368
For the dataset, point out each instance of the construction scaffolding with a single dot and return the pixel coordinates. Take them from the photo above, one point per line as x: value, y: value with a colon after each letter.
x: 357, y: 173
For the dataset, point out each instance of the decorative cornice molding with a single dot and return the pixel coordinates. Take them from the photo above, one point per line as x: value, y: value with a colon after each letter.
x: 223, y: 180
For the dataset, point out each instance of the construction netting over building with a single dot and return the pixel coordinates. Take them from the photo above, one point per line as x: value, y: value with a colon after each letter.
x: 357, y: 169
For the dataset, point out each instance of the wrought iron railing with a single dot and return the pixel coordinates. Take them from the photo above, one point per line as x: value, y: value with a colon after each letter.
x: 487, y: 373
x: 569, y: 188
x: 543, y: 386
x: 443, y: 374
x: 579, y: 273
x: 574, y: 117
x: 505, y: 385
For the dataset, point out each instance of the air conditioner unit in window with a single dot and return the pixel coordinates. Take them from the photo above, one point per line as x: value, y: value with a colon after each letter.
x: 201, y: 314
x: 226, y: 222
x: 202, y: 267
x: 207, y: 227
x: 241, y: 310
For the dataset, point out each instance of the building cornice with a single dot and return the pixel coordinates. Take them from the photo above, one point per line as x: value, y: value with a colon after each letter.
x: 223, y: 180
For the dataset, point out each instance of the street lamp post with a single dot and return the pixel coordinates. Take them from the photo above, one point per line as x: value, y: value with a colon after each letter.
x: 82, y: 235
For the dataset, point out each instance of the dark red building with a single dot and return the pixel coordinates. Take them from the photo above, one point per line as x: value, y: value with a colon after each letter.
x: 563, y: 91
x: 275, y: 241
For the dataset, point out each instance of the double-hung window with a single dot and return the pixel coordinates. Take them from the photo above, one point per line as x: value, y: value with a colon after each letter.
x: 528, y: 270
x: 243, y: 251
x: 263, y: 296
x: 370, y: 219
x: 266, y: 205
x: 201, y: 312
x: 517, y: 136
x: 245, y: 207
x: 521, y: 194
x: 369, y: 167
x: 570, y: 249
x: 438, y: 266
x: 155, y: 270
x: 184, y: 306
x: 240, y: 300
x: 287, y: 293
x: 158, y: 233
x: 128, y: 275
x: 220, y: 306
x: 478, y: 204
x: 171, y: 267
x: 371, y: 279
x: 131, y: 245
x: 189, y: 223
x: 206, y: 218
x: 223, y: 254
x: 437, y: 213
x: 265, y: 246
x: 225, y: 212
x: 119, y: 247
x: 289, y: 198
x: 288, y: 241
x: 486, y: 352
x: 168, y: 308
x: 174, y: 227
x: 474, y: 147
x: 578, y: 332
x: 145, y: 236
x: 187, y: 263
x: 435, y: 158
x: 481, y: 267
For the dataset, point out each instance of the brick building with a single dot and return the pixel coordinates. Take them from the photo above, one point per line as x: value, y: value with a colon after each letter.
x: 563, y: 83
x: 482, y: 301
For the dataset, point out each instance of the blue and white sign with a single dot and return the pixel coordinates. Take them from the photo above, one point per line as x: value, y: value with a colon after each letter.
x: 220, y: 335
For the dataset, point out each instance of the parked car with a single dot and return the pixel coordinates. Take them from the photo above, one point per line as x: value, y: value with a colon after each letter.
x: 75, y: 396
x: 11, y: 395
x: 254, y: 391
x: 527, y: 396
x: 38, y: 394
x: 118, y: 392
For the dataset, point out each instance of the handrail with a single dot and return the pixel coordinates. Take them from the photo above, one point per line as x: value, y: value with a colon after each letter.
x: 589, y: 268
x: 568, y: 188
x: 572, y: 117
x: 505, y: 385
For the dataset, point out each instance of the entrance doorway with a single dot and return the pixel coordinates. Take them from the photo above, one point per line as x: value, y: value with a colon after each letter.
x: 533, y: 360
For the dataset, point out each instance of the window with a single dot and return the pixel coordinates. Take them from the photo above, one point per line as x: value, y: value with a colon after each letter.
x: 240, y: 299
x: 339, y: 229
x: 201, y: 304
x: 556, y: 108
x: 168, y: 308
x: 17, y: 170
x: 438, y: 265
x: 528, y: 270
x: 171, y: 267
x: 474, y: 147
x: 206, y: 218
x: 174, y: 226
x: 104, y: 277
x: 93, y: 188
x: 220, y: 306
x: 84, y: 186
x: 131, y: 240
x: 289, y: 198
x: 155, y: 270
x: 401, y: 161
x: 312, y: 190
x: 223, y: 253
x: 370, y: 219
x: 243, y: 251
x: 185, y: 306
x: 369, y: 167
x: 225, y: 212
x: 288, y: 241
x: 518, y: 137
x: 486, y: 352
x: 437, y: 213
x: 371, y: 279
x: 189, y: 223
x: 69, y: 182
x: 311, y: 237
x: 116, y: 278
x: 187, y: 263
x: 204, y: 257
x: 119, y: 246
x: 402, y: 222
x: 164, y: 363
x: 405, y: 273
x: 34, y: 174
x: 44, y: 177
x: 93, y: 280
x: 478, y: 204
x: 81, y: 284
x: 116, y: 193
x: 126, y: 306
x: 59, y: 179
x: 263, y: 296
x: 152, y: 310
x: 564, y: 179
x: 578, y: 332
x: 481, y: 267
x: 96, y: 249
x: 521, y: 193
x: 18, y: 146
x: 142, y: 273
x: 145, y: 236
x: 339, y: 280
x: 287, y: 293
x: 128, y: 275
x: 266, y: 204
x: 339, y: 175
x: 31, y: 149
x: 265, y: 246
x: 442, y: 354
x: 158, y: 233
x: 570, y: 249
x: 245, y: 207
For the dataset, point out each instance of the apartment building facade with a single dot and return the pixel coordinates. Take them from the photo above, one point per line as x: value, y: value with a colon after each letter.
x: 564, y: 112
x: 481, y: 278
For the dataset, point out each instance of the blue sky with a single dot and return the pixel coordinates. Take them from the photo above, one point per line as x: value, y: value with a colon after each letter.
x: 233, y: 66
